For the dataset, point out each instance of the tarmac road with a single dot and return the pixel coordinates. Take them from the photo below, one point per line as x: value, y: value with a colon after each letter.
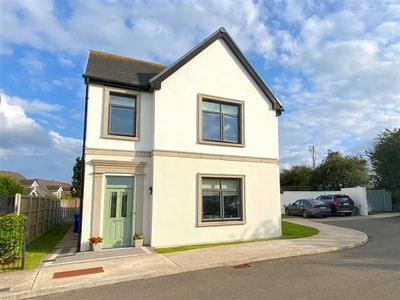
x: 367, y: 272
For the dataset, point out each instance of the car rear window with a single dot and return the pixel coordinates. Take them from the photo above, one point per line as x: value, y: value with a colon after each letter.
x: 343, y: 198
x: 316, y: 202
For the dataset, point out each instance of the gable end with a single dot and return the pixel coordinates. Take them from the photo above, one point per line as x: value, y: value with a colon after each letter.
x: 221, y: 33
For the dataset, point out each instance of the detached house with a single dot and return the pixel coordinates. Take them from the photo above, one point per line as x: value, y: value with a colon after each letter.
x: 185, y: 154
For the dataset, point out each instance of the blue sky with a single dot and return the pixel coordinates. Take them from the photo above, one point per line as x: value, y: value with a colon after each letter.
x: 334, y: 65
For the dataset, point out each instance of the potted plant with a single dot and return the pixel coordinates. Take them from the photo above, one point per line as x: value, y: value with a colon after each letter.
x: 95, y: 243
x: 138, y: 240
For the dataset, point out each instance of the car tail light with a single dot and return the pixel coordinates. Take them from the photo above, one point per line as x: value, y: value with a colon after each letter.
x: 336, y: 202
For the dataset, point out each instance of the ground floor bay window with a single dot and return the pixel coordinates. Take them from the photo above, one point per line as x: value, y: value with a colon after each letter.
x: 221, y: 200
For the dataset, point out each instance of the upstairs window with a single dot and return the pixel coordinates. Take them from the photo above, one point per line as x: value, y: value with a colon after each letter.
x: 121, y: 114
x: 221, y: 121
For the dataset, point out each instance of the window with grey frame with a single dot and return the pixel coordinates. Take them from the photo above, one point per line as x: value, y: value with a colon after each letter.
x: 221, y: 121
x: 122, y: 115
x: 221, y: 199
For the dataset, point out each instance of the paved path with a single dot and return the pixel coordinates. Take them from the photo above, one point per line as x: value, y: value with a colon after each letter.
x: 119, y: 265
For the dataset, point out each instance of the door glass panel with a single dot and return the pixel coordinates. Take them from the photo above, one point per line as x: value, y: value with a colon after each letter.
x: 113, y: 210
x: 119, y: 180
x: 124, y: 204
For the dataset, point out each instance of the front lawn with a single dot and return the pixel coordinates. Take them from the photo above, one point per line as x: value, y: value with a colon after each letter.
x: 37, y: 250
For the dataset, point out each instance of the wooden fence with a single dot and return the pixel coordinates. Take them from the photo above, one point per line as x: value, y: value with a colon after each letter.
x: 44, y: 213
x: 67, y: 210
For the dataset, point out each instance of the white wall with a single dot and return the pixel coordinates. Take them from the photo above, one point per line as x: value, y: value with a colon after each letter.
x: 175, y: 201
x: 169, y: 121
x: 215, y: 72
x: 358, y: 194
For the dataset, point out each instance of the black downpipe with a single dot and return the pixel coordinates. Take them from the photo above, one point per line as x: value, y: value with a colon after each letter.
x: 83, y: 167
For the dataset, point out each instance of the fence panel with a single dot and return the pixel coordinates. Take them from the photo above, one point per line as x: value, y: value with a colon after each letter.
x: 41, y: 213
x: 379, y: 200
x: 7, y: 205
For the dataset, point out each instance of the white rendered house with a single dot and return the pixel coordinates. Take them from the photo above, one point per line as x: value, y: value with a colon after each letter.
x: 185, y: 154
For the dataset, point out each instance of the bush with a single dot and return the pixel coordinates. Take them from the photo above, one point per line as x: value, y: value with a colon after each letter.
x: 9, y: 186
x: 11, y: 237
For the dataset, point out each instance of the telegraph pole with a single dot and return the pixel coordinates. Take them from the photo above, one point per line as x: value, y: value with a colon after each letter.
x: 312, y: 150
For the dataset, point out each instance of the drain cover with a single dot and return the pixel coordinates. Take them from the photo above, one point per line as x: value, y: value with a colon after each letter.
x: 242, y: 266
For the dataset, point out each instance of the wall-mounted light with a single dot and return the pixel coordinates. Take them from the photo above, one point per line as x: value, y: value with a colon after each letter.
x: 150, y: 190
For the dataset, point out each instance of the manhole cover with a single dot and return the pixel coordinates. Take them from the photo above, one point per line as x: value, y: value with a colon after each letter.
x: 242, y: 266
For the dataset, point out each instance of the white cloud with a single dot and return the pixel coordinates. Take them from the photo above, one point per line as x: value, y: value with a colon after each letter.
x: 18, y: 129
x: 35, y: 106
x: 30, y: 148
x: 64, y: 144
x: 32, y: 64
x: 122, y: 26
x: 66, y: 62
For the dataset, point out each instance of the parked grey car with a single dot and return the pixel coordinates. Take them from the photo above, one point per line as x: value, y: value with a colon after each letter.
x: 339, y: 203
x: 308, y: 208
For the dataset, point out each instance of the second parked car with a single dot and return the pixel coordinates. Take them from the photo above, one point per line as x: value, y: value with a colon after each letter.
x: 339, y: 203
x: 308, y: 208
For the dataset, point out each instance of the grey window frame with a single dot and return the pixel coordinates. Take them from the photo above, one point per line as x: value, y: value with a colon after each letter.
x: 221, y: 222
x: 106, y: 115
x: 225, y: 101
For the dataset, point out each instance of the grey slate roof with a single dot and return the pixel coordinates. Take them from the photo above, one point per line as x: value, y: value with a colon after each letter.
x: 13, y: 174
x: 120, y: 70
x: 107, y: 67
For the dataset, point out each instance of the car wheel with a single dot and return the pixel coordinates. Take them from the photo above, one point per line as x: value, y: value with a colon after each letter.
x: 287, y: 211
x: 348, y: 214
x: 305, y: 214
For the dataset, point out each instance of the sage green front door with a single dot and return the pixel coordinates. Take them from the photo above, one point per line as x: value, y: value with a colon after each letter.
x: 118, y: 212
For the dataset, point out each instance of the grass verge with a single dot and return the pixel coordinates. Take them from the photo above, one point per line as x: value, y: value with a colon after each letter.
x: 37, y: 250
x: 379, y: 212
x: 289, y: 231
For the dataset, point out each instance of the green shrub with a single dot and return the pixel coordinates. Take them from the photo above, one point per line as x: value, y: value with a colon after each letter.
x: 9, y: 186
x: 357, y: 210
x: 11, y: 237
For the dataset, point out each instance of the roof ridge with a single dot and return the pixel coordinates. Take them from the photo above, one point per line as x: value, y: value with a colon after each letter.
x: 98, y: 52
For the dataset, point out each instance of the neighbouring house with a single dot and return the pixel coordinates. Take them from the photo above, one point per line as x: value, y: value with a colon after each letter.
x: 185, y: 154
x: 46, y: 188
x: 41, y: 187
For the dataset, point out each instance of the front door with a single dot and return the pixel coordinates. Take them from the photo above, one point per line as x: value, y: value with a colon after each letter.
x: 118, y: 214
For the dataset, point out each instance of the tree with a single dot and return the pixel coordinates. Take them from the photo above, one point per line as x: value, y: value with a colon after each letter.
x: 77, y: 178
x: 336, y: 172
x: 385, y: 160
x: 297, y: 177
x: 9, y: 186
